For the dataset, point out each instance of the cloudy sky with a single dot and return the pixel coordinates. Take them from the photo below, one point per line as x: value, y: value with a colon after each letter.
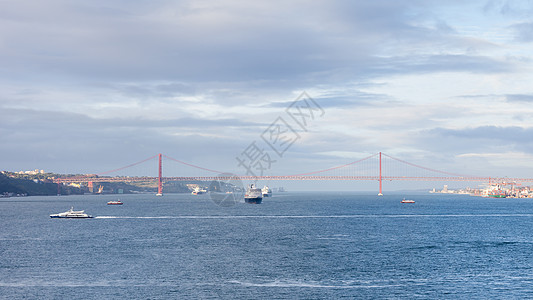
x: 88, y: 86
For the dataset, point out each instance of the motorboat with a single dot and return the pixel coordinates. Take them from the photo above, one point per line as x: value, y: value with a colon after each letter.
x: 198, y: 191
x: 72, y: 214
x: 114, y: 202
x: 407, y: 201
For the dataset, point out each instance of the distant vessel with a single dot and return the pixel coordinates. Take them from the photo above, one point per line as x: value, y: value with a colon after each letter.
x: 407, y: 201
x: 266, y: 191
x: 73, y: 214
x: 497, y: 194
x: 159, y: 194
x: 114, y: 202
x: 198, y: 191
x: 100, y: 190
x: 253, y: 195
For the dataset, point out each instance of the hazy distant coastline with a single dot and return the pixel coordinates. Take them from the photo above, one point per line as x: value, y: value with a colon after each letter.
x: 14, y: 184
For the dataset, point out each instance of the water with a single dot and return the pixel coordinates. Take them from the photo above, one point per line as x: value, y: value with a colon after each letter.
x: 294, y: 245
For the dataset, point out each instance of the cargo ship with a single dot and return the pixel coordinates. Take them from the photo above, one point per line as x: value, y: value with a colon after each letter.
x: 266, y: 191
x: 253, y: 195
x: 497, y: 194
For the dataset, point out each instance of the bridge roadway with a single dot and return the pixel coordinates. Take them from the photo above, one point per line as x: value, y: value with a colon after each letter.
x: 502, y: 180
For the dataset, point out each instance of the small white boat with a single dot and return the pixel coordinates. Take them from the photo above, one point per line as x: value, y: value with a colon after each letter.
x: 72, y: 214
x: 407, y: 201
x: 115, y: 202
x: 198, y: 191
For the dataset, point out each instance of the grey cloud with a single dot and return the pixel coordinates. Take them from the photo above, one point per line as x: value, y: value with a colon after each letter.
x: 511, y: 98
x: 447, y: 63
x: 482, y: 139
x: 277, y: 45
x: 499, y: 6
x: 523, y: 31
x: 342, y: 99
x: 508, y: 8
x: 445, y: 145
x: 59, y: 139
x: 16, y: 118
x: 519, y: 98
x: 509, y: 134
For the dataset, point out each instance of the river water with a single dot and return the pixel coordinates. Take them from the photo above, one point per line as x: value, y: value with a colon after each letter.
x: 294, y: 245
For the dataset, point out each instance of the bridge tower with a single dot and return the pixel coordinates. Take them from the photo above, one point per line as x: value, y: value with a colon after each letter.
x: 380, y: 178
x: 160, y: 178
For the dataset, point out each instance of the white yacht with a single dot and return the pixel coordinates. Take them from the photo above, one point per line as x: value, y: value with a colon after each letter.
x: 71, y: 213
x: 407, y: 201
x: 198, y: 191
x: 115, y: 202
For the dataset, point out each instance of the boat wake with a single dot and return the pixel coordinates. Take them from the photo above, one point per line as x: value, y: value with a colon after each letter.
x: 313, y: 284
x: 319, y: 217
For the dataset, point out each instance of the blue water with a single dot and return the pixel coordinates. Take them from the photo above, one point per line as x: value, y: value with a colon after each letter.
x: 294, y: 245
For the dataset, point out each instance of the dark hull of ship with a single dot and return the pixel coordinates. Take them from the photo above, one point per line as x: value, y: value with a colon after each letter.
x: 254, y: 200
x: 71, y: 217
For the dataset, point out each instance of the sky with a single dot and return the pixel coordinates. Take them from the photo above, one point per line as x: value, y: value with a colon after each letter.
x: 89, y: 86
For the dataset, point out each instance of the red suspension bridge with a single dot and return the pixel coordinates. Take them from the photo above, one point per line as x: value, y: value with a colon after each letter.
x: 377, y: 167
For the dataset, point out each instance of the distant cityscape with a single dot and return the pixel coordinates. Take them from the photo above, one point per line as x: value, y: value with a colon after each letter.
x: 503, y: 190
x: 34, y: 172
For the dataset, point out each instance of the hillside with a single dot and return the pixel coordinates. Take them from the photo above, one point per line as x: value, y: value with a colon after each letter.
x: 14, y: 186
